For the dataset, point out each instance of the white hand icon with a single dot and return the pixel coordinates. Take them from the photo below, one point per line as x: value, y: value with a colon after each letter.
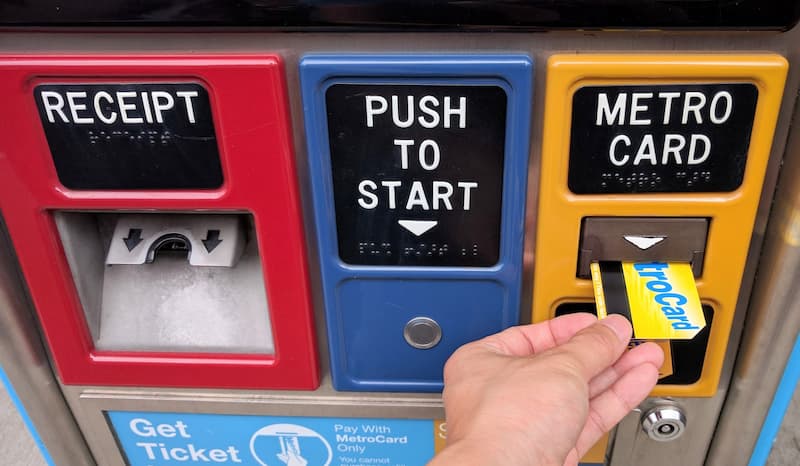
x: 290, y: 452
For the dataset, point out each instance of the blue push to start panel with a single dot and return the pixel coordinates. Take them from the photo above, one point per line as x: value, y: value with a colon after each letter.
x: 418, y: 169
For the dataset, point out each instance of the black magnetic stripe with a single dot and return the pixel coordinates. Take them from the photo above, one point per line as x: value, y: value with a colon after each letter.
x: 614, y: 289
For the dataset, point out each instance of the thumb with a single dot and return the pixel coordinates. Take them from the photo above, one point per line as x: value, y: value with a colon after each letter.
x: 596, y: 347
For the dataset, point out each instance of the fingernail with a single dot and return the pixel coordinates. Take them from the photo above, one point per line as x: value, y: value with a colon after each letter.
x: 619, y: 325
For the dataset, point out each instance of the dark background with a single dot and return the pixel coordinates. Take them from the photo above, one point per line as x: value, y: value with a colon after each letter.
x: 407, y: 15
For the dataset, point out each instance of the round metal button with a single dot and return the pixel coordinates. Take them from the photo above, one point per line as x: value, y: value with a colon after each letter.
x: 664, y: 423
x: 422, y: 333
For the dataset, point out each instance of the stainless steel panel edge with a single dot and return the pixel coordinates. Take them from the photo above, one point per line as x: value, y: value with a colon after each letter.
x: 24, y: 359
x: 631, y: 446
x: 772, y: 324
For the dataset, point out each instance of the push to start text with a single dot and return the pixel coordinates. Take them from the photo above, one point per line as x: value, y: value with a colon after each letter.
x: 428, y: 112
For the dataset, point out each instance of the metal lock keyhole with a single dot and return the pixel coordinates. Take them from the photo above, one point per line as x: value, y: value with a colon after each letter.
x: 664, y: 423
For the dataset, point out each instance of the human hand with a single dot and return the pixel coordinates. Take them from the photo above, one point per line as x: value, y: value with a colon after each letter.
x: 543, y: 394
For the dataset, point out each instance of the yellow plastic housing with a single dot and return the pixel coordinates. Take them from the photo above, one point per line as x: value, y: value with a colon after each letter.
x: 731, y: 214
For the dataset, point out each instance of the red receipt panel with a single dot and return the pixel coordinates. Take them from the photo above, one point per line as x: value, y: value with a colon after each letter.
x: 116, y: 169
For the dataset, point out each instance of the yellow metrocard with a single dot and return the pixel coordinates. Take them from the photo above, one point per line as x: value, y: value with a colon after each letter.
x: 659, y: 298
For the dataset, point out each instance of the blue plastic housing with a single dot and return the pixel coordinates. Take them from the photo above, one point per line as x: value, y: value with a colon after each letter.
x: 367, y: 307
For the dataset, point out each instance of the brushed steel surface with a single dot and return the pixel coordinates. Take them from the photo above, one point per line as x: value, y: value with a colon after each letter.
x: 25, y: 361
x: 17, y: 446
x: 786, y: 449
x: 772, y: 324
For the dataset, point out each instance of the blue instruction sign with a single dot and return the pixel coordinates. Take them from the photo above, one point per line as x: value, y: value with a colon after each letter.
x: 166, y: 439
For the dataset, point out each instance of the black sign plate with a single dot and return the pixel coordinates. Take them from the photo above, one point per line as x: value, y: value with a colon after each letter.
x: 417, y: 173
x: 660, y: 138
x: 130, y: 136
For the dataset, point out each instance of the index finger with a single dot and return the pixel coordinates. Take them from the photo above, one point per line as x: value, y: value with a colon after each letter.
x: 526, y: 340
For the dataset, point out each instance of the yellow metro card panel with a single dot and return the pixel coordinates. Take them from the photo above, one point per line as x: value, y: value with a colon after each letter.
x: 731, y: 214
x: 666, y: 368
x: 597, y: 454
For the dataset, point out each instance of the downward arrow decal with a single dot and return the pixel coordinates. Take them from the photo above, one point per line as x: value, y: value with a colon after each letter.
x: 418, y: 227
x: 212, y: 240
x: 133, y: 239
x: 644, y: 242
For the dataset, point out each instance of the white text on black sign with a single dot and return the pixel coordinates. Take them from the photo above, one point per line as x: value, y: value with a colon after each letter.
x: 427, y: 112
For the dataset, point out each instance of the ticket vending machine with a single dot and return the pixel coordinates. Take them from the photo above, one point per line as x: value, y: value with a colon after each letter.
x: 253, y: 233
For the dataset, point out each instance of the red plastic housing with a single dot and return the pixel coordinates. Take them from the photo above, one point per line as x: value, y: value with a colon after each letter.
x: 251, y: 114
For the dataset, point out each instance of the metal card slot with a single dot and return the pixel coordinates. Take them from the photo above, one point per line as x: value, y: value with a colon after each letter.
x: 642, y: 239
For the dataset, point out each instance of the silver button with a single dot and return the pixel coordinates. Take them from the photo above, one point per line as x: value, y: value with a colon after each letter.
x: 422, y: 333
x: 664, y: 423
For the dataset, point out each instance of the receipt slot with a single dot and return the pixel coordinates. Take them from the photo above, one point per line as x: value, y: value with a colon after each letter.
x: 153, y: 206
x: 655, y: 158
x: 418, y: 167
